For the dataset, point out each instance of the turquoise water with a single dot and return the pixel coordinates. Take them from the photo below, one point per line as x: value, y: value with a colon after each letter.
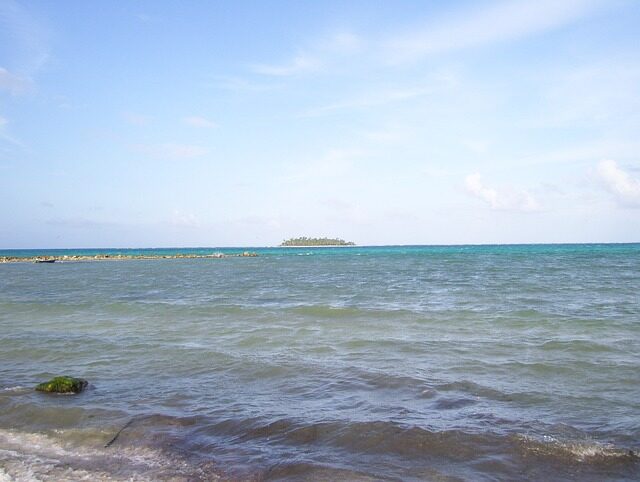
x: 631, y: 248
x: 366, y: 363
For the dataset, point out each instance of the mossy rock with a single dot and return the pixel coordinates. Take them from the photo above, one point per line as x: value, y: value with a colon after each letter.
x: 63, y: 385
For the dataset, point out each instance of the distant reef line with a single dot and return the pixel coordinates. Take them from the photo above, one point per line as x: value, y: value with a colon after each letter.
x: 117, y: 257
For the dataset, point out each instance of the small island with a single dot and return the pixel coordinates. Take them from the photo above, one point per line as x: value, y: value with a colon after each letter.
x: 307, y: 242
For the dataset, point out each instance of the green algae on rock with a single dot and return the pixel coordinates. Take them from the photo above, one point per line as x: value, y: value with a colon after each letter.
x: 63, y: 385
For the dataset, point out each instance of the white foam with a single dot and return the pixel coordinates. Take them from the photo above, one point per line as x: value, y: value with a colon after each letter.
x: 38, y: 457
x: 4, y: 477
x: 581, y: 451
x: 17, y: 388
x: 192, y: 344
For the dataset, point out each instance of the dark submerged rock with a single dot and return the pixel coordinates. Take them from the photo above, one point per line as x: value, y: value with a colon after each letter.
x: 63, y: 385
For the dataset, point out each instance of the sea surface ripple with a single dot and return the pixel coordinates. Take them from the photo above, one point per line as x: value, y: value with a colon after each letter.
x: 366, y: 363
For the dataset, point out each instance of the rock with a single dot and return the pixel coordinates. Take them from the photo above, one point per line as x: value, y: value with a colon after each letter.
x: 63, y: 385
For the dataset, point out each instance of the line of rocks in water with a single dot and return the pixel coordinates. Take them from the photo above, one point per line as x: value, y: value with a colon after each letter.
x: 105, y: 257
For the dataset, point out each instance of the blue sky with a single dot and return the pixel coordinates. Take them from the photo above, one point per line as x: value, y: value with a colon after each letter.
x: 148, y: 123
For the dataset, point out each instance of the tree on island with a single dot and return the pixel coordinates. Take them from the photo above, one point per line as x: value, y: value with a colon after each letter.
x: 305, y: 241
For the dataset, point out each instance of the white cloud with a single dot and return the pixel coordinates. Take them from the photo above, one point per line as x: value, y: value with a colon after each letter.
x: 181, y: 219
x: 14, y: 84
x: 172, y: 151
x: 301, y: 63
x: 372, y: 99
x: 239, y: 84
x: 586, y: 152
x: 344, y: 43
x: 325, y: 51
x: 500, y: 22
x: 5, y: 136
x: 435, y: 83
x: 508, y: 199
x: 625, y: 188
x: 25, y: 39
x: 196, y: 121
x: 591, y: 95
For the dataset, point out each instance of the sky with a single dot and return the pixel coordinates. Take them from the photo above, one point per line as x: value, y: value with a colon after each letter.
x: 242, y: 123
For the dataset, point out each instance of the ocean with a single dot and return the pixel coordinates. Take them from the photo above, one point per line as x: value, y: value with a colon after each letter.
x: 437, y: 363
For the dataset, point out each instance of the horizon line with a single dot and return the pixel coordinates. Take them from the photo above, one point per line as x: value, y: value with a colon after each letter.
x: 329, y: 246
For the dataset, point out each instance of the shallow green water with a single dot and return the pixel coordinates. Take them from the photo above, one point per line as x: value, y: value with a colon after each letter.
x: 399, y: 363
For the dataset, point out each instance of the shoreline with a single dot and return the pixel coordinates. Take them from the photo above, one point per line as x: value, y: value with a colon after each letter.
x: 118, y: 257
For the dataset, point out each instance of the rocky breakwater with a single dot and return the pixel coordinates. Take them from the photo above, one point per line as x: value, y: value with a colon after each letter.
x: 118, y: 256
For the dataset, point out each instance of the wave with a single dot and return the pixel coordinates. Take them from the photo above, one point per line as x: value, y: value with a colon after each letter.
x: 388, y: 437
x: 15, y: 389
x: 391, y: 450
x: 579, y: 451
x: 154, y: 447
x: 334, y: 311
x: 578, y: 345
x: 35, y: 456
